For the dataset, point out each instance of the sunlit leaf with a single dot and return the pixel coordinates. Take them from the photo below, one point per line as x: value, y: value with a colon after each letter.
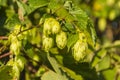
x: 98, y: 57
x: 72, y: 74
x: 50, y: 75
x: 54, y: 64
x: 110, y: 74
x: 37, y: 3
x: 72, y: 38
x: 104, y: 64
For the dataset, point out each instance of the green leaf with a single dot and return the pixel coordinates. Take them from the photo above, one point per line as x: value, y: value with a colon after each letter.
x: 11, y: 22
x: 69, y: 27
x: 54, y: 64
x: 40, y: 71
x: 33, y: 5
x: 72, y: 38
x: 98, y: 57
x: 91, y: 31
x: 57, y: 8
x: 81, y: 17
x: 25, y: 8
x: 116, y: 57
x: 37, y: 3
x: 104, y: 64
x: 5, y: 73
x: 53, y: 5
x: 83, y: 22
x: 54, y: 50
x: 116, y: 43
x: 3, y: 2
x: 30, y: 52
x: 72, y: 74
x: 84, y: 69
x: 109, y: 74
x: 50, y: 75
x: 57, y: 68
x: 21, y: 6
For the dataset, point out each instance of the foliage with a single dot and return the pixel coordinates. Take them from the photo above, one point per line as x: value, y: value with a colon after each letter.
x: 55, y: 40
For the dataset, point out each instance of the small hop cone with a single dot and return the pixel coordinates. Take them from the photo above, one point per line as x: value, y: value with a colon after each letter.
x: 20, y: 61
x: 79, y: 50
x: 56, y: 27
x: 16, y: 71
x: 51, y: 26
x: 47, y: 43
x: 46, y: 27
x: 15, y: 46
x: 61, y: 40
x: 82, y: 37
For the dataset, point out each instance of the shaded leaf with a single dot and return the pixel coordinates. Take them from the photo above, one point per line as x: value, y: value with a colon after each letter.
x: 11, y: 22
x: 54, y: 64
x: 92, y: 31
x: 84, y: 70
x: 72, y: 38
x: 104, y: 64
x: 57, y: 68
x: 6, y: 73
x: 3, y: 2
x: 69, y: 27
x: 98, y: 57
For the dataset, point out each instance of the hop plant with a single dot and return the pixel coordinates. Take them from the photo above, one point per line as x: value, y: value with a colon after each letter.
x: 61, y: 40
x: 51, y: 26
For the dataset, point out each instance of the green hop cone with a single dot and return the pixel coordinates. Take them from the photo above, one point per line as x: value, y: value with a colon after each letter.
x: 82, y: 37
x: 79, y: 50
x: 15, y: 46
x: 47, y: 28
x: 17, y: 32
x: 61, y: 40
x: 80, y: 47
x: 20, y: 61
x: 55, y: 27
x: 51, y: 26
x: 47, y: 43
x: 17, y: 28
x: 15, y: 38
x: 16, y: 71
